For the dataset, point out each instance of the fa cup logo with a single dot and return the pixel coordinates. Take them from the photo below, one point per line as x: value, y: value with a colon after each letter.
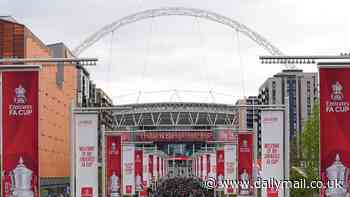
x: 337, y: 94
x: 20, y: 97
x: 245, y: 143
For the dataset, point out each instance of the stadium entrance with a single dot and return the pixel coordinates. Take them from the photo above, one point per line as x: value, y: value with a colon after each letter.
x: 177, y: 140
x: 151, y: 145
x: 139, y: 157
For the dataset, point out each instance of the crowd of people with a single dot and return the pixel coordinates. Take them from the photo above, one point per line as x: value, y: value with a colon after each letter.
x: 182, y: 187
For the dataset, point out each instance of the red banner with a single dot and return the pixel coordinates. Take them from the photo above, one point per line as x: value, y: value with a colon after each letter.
x: 335, y: 124
x: 113, y: 168
x: 158, y: 166
x: 20, y: 133
x: 220, y: 165
x: 138, y: 168
x: 201, y: 166
x: 197, y: 167
x: 162, y: 166
x: 86, y: 192
x: 208, y: 164
x: 150, y: 166
x: 245, y: 160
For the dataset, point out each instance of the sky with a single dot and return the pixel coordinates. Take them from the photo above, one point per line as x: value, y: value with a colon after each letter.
x: 183, y: 58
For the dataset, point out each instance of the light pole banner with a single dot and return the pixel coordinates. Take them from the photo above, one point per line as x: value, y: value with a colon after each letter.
x: 212, y: 173
x: 145, y: 175
x: 201, y: 166
x: 158, y: 168
x: 128, y: 159
x: 194, y: 166
x: 138, y: 169
x: 198, y: 165
x: 113, y: 168
x: 161, y: 167
x: 334, y: 128
x: 220, y: 163
x: 86, y: 154
x: 208, y: 166
x: 19, y: 133
x: 150, y: 168
x: 230, y: 157
x: 155, y: 170
x: 245, y: 162
x: 272, y: 149
x: 205, y: 175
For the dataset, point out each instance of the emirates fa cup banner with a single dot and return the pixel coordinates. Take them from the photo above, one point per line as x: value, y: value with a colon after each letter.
x: 113, y: 167
x: 230, y: 156
x: 212, y: 162
x: 86, y: 170
x: 245, y: 162
x: 155, y: 169
x: 162, y: 167
x: 198, y: 166
x: 208, y: 166
x: 138, y: 169
x: 205, y: 175
x: 158, y: 168
x: 193, y: 166
x: 201, y: 166
x: 150, y: 168
x: 19, y: 133
x: 272, y: 150
x: 128, y: 158
x: 220, y: 165
x: 335, y: 129
x: 145, y: 173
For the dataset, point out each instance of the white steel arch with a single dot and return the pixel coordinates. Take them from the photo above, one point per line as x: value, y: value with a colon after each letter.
x: 179, y: 11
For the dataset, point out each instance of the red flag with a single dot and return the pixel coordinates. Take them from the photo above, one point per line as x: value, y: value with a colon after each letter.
x: 245, y: 157
x: 20, y: 128
x: 150, y: 166
x: 113, y: 157
x: 138, y: 168
x: 334, y: 121
x: 220, y: 162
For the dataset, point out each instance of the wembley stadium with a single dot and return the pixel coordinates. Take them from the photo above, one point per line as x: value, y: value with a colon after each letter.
x: 179, y: 129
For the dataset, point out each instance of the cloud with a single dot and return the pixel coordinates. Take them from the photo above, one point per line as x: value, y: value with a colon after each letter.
x: 178, y: 52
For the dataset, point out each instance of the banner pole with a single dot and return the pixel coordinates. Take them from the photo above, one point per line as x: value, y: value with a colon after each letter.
x: 2, y: 174
x: 286, y: 145
x: 103, y: 128
x: 72, y: 150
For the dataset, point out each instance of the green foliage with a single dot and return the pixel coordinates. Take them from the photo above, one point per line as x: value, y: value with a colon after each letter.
x: 310, y: 155
x: 295, y: 175
x: 310, y: 144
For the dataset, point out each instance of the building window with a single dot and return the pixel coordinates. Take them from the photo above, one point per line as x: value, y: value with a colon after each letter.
x: 273, y: 92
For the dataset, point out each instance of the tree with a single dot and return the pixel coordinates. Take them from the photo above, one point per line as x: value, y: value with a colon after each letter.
x: 310, y: 140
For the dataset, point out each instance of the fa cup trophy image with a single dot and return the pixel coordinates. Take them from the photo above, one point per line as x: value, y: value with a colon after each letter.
x: 337, y: 172
x: 138, y: 182
x: 244, y: 182
x: 114, y: 185
x: 114, y: 149
x: 22, y: 179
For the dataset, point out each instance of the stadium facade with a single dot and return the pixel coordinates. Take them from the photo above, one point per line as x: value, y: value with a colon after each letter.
x: 179, y: 129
